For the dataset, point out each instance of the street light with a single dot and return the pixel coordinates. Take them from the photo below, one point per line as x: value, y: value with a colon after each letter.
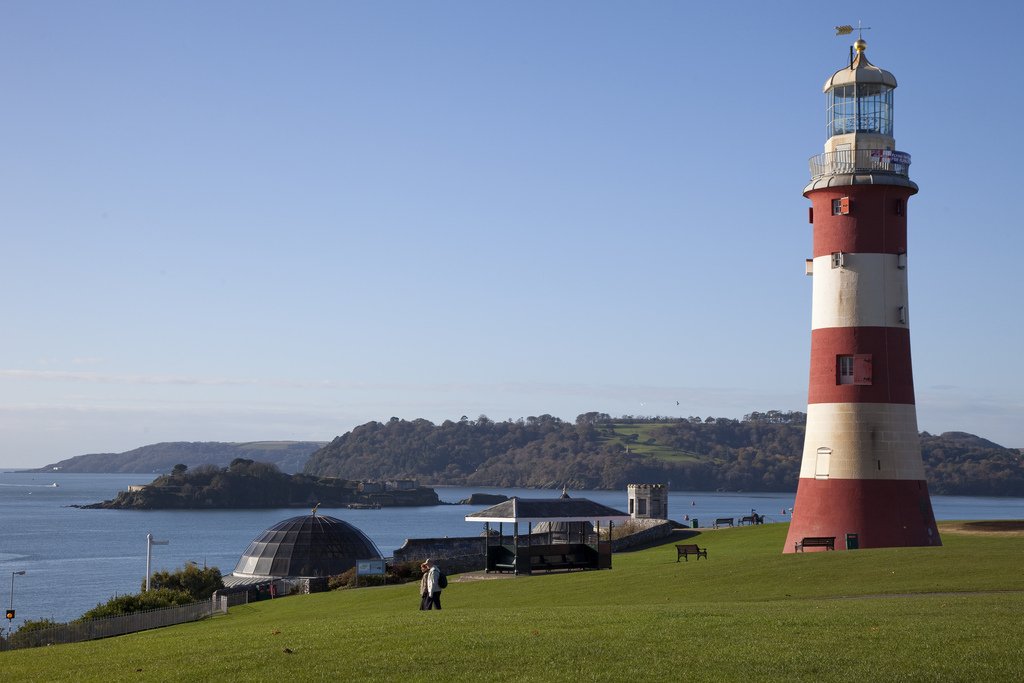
x: 10, y: 612
x: 149, y: 554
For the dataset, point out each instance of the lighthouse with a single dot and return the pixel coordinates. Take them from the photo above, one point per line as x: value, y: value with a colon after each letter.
x: 861, y: 478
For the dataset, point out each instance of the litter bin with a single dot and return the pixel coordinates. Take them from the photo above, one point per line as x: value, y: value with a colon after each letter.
x: 695, y: 523
x: 851, y: 542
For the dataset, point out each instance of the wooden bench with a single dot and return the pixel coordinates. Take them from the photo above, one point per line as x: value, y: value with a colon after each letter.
x: 749, y: 519
x: 722, y: 521
x: 684, y: 551
x: 826, y: 542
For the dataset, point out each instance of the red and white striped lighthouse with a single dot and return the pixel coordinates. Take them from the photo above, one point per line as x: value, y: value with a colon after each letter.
x: 862, y: 478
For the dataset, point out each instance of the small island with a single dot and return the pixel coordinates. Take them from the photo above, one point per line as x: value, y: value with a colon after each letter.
x: 248, y: 484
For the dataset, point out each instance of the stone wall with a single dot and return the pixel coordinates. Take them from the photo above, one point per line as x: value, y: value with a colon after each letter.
x: 453, y: 555
x: 641, y: 532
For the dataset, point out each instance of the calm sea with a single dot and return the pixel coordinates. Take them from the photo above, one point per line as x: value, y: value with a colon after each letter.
x: 74, y: 559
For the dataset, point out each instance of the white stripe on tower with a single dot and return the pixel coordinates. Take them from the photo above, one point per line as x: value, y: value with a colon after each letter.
x: 866, y: 292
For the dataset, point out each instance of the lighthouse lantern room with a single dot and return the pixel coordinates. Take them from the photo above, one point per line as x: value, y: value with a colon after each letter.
x: 862, y: 479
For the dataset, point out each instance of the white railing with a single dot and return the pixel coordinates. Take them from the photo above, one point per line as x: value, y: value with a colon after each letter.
x: 860, y: 161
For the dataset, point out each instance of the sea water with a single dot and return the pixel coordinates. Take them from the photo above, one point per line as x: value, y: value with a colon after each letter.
x: 75, y: 559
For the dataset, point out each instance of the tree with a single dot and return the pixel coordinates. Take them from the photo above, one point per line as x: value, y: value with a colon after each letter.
x: 179, y: 470
x: 196, y: 582
x: 240, y: 464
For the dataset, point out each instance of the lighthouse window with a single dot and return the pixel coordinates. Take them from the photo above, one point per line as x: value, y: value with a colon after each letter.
x: 854, y: 369
x: 841, y: 206
x: 845, y: 369
x: 841, y: 110
x: 860, y: 108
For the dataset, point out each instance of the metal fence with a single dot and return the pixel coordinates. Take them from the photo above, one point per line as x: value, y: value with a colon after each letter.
x: 860, y: 161
x: 243, y: 594
x: 91, y: 629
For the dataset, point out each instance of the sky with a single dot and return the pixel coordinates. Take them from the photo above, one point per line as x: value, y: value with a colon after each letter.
x: 240, y: 221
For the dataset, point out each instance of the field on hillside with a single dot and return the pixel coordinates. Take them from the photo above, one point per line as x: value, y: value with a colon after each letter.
x: 747, y: 613
x: 623, y: 434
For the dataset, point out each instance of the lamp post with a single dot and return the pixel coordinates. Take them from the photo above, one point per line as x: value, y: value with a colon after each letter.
x: 10, y: 612
x: 149, y: 555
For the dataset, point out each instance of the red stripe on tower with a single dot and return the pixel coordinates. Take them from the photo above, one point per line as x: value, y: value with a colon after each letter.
x: 861, y: 478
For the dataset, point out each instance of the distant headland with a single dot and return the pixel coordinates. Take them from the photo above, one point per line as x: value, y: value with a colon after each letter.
x: 157, y: 458
x: 248, y: 484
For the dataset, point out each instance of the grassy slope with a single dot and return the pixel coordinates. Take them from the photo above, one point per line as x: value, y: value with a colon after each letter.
x: 646, y: 431
x: 747, y: 613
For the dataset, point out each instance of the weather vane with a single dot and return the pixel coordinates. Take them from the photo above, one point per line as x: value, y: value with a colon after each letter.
x: 847, y: 29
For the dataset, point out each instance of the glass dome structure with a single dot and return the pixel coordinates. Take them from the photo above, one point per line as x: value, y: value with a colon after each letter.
x: 306, y: 546
x: 859, y: 98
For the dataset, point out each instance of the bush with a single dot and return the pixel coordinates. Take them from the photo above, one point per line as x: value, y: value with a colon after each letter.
x: 128, y: 604
x: 626, y: 529
x: 344, y: 580
x: 399, y: 573
x: 38, y: 625
x: 31, y: 626
x: 199, y: 583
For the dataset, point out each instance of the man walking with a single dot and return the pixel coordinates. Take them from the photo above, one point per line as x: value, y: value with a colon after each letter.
x: 424, y: 581
x: 433, y: 600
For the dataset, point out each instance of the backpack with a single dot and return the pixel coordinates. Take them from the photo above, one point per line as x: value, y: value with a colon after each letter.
x: 442, y: 580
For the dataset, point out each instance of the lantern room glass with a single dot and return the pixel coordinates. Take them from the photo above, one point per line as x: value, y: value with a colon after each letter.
x: 859, y: 108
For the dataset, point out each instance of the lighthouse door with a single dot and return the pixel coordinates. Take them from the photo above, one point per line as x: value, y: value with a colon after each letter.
x: 821, y: 463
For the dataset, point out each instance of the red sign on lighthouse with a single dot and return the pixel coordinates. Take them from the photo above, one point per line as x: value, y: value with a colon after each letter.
x: 862, y: 478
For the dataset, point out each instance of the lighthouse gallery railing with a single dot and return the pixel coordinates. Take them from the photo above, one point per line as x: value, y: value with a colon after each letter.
x: 860, y: 161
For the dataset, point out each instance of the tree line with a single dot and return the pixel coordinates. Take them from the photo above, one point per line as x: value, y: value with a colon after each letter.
x: 760, y: 452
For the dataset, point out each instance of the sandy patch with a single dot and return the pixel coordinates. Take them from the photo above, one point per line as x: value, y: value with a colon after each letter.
x: 1003, y: 527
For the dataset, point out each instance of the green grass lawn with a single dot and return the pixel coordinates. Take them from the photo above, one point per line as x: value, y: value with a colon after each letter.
x: 748, y: 613
x: 645, y: 432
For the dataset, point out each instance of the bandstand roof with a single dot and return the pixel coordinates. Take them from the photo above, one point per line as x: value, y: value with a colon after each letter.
x: 548, y: 510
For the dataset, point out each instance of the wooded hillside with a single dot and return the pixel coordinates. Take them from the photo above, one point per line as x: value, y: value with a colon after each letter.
x: 761, y: 452
x: 288, y: 456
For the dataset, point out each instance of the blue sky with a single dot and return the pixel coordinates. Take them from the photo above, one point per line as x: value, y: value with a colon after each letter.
x: 239, y: 221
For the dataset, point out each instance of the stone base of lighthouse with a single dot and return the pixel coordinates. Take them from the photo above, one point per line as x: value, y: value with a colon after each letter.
x: 883, y: 513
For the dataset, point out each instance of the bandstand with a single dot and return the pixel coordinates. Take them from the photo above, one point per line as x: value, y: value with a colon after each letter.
x: 570, y: 534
